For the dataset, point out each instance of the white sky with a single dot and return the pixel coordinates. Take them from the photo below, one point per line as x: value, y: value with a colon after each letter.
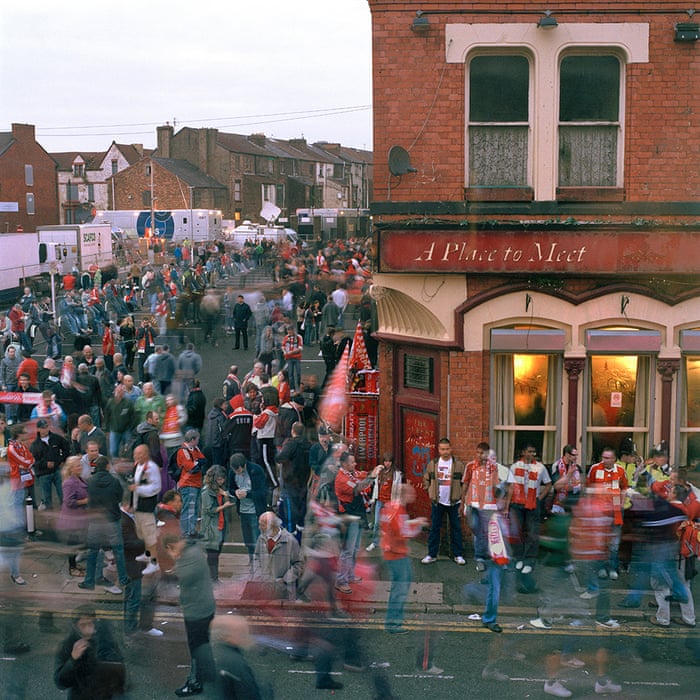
x: 89, y: 72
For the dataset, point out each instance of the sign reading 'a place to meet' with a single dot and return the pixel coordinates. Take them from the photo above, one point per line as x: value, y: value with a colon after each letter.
x: 581, y: 252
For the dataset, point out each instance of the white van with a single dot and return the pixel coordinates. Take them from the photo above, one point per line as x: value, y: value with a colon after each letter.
x: 256, y: 232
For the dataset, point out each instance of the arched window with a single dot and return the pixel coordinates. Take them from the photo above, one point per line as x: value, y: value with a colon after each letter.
x: 526, y: 371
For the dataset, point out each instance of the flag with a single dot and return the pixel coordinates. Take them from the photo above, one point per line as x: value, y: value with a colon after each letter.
x: 359, y: 359
x: 334, y: 405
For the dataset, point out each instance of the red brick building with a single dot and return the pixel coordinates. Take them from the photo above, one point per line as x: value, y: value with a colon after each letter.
x: 538, y: 223
x: 28, y: 195
x: 177, y: 184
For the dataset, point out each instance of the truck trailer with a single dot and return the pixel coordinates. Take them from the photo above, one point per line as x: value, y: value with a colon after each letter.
x: 175, y: 225
x: 77, y: 245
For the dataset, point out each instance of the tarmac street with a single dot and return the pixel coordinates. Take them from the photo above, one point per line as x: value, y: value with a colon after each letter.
x: 447, y: 652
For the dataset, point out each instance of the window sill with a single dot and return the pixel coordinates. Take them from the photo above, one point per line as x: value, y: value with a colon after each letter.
x: 498, y: 194
x: 590, y: 194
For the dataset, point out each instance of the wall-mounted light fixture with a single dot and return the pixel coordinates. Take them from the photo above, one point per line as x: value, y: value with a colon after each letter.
x: 420, y: 22
x: 687, y: 31
x: 548, y: 21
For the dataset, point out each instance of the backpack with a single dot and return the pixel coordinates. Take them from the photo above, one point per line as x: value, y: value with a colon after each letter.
x: 174, y: 469
x: 689, y: 534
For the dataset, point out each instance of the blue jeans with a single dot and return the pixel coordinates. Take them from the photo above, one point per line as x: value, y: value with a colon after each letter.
x: 46, y: 481
x: 494, y: 573
x: 614, y: 548
x: 401, y: 575
x: 528, y: 520
x: 378, y: 505
x: 664, y: 569
x: 437, y: 512
x: 190, y: 510
x: 132, y: 603
x: 251, y: 531
x: 294, y: 369
x: 105, y: 533
x: 116, y: 440
x: 348, y: 555
x: 292, y: 509
x: 480, y: 527
x: 96, y: 414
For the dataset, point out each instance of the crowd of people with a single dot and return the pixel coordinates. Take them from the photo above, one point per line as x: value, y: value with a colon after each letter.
x: 120, y: 452
x: 622, y: 514
x: 143, y: 478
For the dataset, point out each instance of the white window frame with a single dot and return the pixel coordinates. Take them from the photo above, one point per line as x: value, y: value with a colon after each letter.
x: 619, y: 124
x: 469, y: 124
x: 629, y: 39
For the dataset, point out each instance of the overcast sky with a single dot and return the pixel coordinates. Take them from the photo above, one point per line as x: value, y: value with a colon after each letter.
x: 86, y: 73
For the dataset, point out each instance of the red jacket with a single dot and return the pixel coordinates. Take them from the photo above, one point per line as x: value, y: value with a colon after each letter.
x: 614, y: 482
x: 187, y: 459
x: 396, y: 530
x: 21, y: 461
x: 292, y: 346
x: 108, y: 342
x: 16, y: 317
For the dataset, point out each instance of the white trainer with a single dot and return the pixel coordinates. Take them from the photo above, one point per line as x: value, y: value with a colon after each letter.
x: 153, y: 632
x: 557, y: 689
x: 427, y: 559
x: 435, y: 671
x: 608, y: 624
x: 370, y: 547
x: 540, y: 624
x: 607, y: 687
x: 151, y: 568
x: 460, y: 560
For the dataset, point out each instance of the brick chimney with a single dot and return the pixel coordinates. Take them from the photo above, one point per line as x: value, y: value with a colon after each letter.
x: 258, y: 139
x: 206, y: 149
x: 24, y: 132
x: 297, y: 143
x: 165, y: 135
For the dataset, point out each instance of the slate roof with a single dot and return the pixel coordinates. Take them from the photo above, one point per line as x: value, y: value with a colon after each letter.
x: 65, y: 160
x: 6, y: 140
x: 188, y: 173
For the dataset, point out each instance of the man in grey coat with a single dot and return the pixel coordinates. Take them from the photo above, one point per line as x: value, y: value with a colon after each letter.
x: 277, y: 560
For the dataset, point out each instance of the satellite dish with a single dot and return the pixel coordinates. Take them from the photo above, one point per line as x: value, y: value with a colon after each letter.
x: 400, y: 161
x: 270, y: 211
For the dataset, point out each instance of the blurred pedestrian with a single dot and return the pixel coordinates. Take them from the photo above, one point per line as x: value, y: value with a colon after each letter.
x: 198, y: 609
x: 89, y: 663
x: 396, y: 530
x: 234, y: 677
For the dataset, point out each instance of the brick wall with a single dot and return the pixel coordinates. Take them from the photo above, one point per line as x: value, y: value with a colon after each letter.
x: 419, y: 98
x: 133, y: 181
x: 468, y: 398
x: 26, y: 151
